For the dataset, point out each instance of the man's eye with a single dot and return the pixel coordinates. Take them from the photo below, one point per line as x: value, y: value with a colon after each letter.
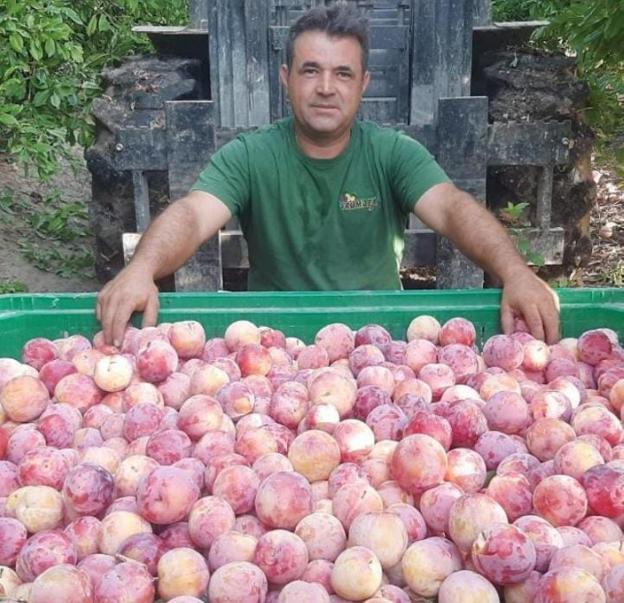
x: 309, y: 70
x: 345, y: 75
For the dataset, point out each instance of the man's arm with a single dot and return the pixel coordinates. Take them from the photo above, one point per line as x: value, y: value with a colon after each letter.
x: 456, y: 215
x: 167, y: 244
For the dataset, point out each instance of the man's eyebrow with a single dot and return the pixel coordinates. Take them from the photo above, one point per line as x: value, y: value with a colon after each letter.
x: 308, y: 64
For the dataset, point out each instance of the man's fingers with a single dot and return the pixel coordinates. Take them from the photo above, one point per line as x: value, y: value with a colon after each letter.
x: 150, y: 314
x: 550, y: 320
x: 119, y: 327
x: 507, y: 318
x: 533, y: 320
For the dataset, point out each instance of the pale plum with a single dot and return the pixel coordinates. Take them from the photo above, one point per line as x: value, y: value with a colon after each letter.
x: 315, y: 454
x: 419, y: 353
x: 355, y: 440
x: 301, y: 591
x: 503, y: 554
x: 363, y: 356
x: 208, y: 380
x: 62, y: 582
x: 283, y: 499
x: 602, y: 484
x: 182, y: 571
x: 289, y: 404
x: 13, y: 536
x: 210, y: 517
x: 569, y: 585
x: 513, y: 492
x: 24, y: 398
x: 239, y: 582
x: 127, y: 581
x: 436, y: 503
x: 466, y: 586
x: 42, y: 551
x: 337, y: 339
x: 387, y: 422
x: 166, y: 495
x: 427, y: 423
x: 272, y: 463
x: 168, y: 446
x: 357, y: 573
x: 545, y: 436
x: 424, y: 327
x: 141, y: 420
x: 43, y: 466
x: 323, y: 536
x: 580, y: 556
x: 38, y: 508
x: 230, y: 548
x: 330, y: 387
x: 85, y: 533
x: 238, y: 486
x: 507, y: 412
x: 457, y: 330
x: 418, y: 463
x: 438, y: 377
x: 427, y: 563
x: 601, y: 529
x: 281, y: 555
x: 461, y: 358
x: 544, y: 536
x: 175, y: 389
x: 382, y: 533
x: 594, y: 346
x: 355, y: 498
x: 470, y: 515
x: 79, y: 391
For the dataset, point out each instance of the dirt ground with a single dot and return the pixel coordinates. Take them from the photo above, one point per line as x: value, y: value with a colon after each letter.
x: 14, y: 267
x: 605, y: 268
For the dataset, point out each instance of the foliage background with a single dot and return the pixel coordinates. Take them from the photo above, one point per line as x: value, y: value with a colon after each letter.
x: 54, y: 51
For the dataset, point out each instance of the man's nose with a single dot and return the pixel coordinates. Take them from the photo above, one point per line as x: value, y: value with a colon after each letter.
x: 325, y: 83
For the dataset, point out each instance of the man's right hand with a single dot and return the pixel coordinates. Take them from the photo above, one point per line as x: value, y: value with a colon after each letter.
x: 132, y: 290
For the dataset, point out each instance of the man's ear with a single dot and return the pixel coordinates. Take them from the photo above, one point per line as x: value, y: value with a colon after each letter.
x: 365, y: 81
x: 283, y: 74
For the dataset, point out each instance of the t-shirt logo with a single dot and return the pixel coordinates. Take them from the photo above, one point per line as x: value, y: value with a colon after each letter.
x: 350, y: 201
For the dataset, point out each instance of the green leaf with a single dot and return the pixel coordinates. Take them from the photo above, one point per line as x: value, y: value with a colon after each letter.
x: 41, y: 98
x: 104, y: 23
x: 8, y: 120
x: 50, y: 47
x: 75, y: 52
x: 55, y: 100
x: 16, y: 42
x: 92, y: 25
x: 72, y: 14
x: 35, y: 50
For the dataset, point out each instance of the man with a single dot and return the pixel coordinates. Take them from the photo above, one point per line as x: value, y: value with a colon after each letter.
x: 323, y: 198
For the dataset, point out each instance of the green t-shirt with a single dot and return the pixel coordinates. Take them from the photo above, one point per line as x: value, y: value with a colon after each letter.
x: 322, y: 224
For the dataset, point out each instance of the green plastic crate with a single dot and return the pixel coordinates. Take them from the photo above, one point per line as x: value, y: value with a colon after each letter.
x: 299, y: 314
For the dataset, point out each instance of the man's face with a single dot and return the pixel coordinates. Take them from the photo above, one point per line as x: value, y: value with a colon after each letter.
x: 325, y: 83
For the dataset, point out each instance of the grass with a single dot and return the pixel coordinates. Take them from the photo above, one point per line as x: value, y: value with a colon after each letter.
x: 58, y: 239
x: 7, y: 287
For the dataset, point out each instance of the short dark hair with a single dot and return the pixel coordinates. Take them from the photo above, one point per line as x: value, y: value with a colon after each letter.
x: 339, y: 20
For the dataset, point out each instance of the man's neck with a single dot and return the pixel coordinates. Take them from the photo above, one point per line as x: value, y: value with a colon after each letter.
x: 320, y: 148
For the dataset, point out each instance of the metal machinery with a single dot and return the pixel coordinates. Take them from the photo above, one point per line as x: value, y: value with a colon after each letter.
x: 421, y: 66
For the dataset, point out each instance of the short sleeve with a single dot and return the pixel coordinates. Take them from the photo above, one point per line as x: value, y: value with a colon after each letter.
x: 414, y: 171
x: 226, y: 176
